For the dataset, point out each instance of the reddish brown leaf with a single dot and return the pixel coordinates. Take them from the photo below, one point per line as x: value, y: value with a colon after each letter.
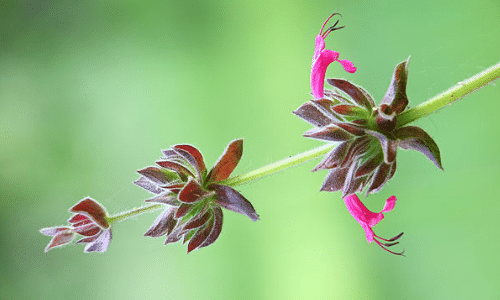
x: 328, y: 133
x: 60, y: 239
x: 191, y: 160
x: 358, y: 94
x: 198, y: 221
x: 395, y: 96
x: 201, y: 235
x: 310, y: 113
x: 380, y: 178
x: 93, y: 210
x: 158, y: 176
x: 183, y: 172
x: 333, y: 159
x: 183, y: 210
x: 164, y: 224
x: 216, y: 228
x: 227, y: 162
x: 100, y: 244
x: 194, y: 153
x: 193, y: 192
x: 231, y: 199
x: 416, y: 138
x: 334, y: 181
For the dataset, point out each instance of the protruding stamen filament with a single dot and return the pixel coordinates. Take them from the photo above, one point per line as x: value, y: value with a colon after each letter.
x: 385, y: 245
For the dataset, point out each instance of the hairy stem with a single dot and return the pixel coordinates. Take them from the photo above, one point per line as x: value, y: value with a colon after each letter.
x: 458, y: 91
x: 133, y: 212
x: 278, y: 166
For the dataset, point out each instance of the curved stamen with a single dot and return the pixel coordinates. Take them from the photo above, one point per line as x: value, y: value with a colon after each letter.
x: 331, y: 28
x: 385, y: 245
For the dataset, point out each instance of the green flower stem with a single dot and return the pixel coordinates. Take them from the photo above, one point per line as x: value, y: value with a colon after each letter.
x: 278, y: 166
x: 133, y: 212
x: 458, y: 91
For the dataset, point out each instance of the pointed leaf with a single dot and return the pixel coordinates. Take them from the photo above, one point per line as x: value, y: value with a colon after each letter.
x: 100, y: 244
x: 174, y: 236
x: 380, y: 178
x: 231, y: 199
x: 389, y: 146
x: 395, y: 96
x: 351, y: 185
x: 201, y: 235
x: 417, y: 139
x: 335, y: 179
x: 167, y: 198
x: 328, y: 133
x: 326, y: 107
x: 311, y: 114
x: 357, y: 148
x: 198, y: 220
x: 351, y: 110
x: 93, y: 210
x: 60, y: 239
x: 159, y: 176
x: 182, y: 171
x: 227, y: 162
x: 370, y: 165
x: 52, y: 231
x: 194, y: 153
x: 183, y: 210
x: 87, y: 229
x: 352, y: 129
x: 216, y: 228
x: 193, y: 192
x: 164, y: 224
x: 146, y: 184
x: 333, y: 159
x: 358, y: 94
x: 191, y: 160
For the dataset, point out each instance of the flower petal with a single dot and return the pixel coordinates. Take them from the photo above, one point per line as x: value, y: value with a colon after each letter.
x: 227, y: 162
x: 347, y: 65
x: 93, y: 210
x: 231, y: 199
x: 318, y: 69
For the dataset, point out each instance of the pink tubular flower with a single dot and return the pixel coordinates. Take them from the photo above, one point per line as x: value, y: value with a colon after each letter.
x: 367, y: 219
x: 322, y: 58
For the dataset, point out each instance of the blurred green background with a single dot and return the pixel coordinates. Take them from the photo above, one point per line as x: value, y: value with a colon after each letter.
x: 91, y: 91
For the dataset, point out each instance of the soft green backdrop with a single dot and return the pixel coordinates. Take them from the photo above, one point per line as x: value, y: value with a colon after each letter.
x: 91, y: 91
